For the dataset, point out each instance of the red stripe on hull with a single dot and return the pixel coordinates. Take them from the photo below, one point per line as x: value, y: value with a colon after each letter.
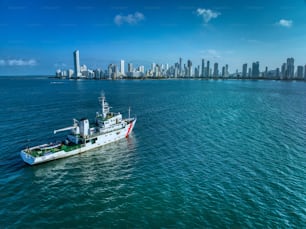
x: 129, y: 130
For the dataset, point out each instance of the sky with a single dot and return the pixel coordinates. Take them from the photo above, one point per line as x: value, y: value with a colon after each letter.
x: 39, y: 37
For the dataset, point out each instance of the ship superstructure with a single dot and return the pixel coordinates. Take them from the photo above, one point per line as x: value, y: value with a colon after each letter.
x: 107, y: 127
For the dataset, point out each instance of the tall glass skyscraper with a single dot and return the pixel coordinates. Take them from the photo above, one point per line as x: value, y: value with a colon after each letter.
x: 203, y: 68
x: 122, y: 67
x: 290, y: 68
x: 76, y: 58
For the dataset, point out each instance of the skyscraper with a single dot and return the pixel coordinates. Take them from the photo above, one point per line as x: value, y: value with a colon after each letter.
x: 130, y: 67
x: 207, y: 69
x: 76, y: 58
x: 122, y: 67
x: 153, y: 67
x: 189, y: 65
x: 180, y: 67
x: 255, y: 70
x: 223, y: 72
x: 244, y: 70
x: 203, y: 68
x: 299, y: 72
x: 216, y: 70
x: 226, y: 70
x: 284, y: 71
x: 290, y: 68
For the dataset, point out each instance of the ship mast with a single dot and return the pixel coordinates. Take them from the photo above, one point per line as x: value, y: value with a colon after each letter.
x: 102, y: 100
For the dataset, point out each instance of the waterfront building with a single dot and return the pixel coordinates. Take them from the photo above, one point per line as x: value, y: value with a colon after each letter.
x: 255, y: 70
x: 284, y: 71
x: 244, y: 70
x: 223, y: 72
x: 141, y: 69
x: 176, y: 70
x: 226, y: 71
x: 197, y: 71
x: 207, y: 69
x: 290, y: 68
x: 110, y: 70
x: 153, y: 66
x: 266, y: 72
x: 76, y: 58
x: 185, y: 72
x: 216, y: 70
x: 277, y: 73
x: 305, y: 72
x: 122, y: 68
x: 130, y: 67
x: 299, y: 72
x: 97, y: 73
x: 189, y: 65
x: 203, y: 68
x: 250, y: 73
x: 70, y: 73
x: 58, y: 73
x: 180, y: 67
x: 114, y: 73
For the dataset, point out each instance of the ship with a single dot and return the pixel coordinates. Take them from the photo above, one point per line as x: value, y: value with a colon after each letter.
x: 84, y: 135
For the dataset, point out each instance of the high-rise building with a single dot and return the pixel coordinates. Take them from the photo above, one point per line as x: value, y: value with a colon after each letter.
x: 284, y: 71
x: 203, y: 68
x: 76, y: 58
x: 141, y: 69
x: 266, y: 72
x: 153, y: 65
x: 110, y: 70
x: 255, y: 70
x: 277, y: 75
x: 223, y: 72
x: 207, y: 69
x: 250, y: 73
x: 70, y: 73
x: 305, y: 72
x: 180, y: 67
x: 176, y: 70
x: 244, y: 70
x: 290, y: 68
x: 216, y: 70
x: 122, y: 68
x: 189, y: 65
x: 197, y: 71
x: 299, y: 72
x: 226, y: 70
x: 130, y: 67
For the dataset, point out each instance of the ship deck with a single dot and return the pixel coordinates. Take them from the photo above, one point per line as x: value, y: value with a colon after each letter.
x: 38, y: 152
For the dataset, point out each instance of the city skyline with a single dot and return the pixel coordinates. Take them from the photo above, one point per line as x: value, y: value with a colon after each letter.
x: 38, y: 37
x: 180, y: 69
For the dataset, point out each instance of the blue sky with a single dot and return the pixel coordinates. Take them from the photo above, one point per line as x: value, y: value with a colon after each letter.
x: 38, y: 37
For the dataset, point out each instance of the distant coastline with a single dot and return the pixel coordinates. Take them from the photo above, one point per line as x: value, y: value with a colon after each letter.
x: 178, y: 78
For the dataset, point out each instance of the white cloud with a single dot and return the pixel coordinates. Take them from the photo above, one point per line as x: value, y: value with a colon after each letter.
x: 207, y: 14
x: 130, y: 19
x: 285, y: 23
x: 18, y: 62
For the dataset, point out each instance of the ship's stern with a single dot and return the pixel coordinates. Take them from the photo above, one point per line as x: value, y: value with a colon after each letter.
x: 27, y: 158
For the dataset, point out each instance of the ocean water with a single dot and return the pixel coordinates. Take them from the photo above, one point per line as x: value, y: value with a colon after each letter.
x: 208, y: 154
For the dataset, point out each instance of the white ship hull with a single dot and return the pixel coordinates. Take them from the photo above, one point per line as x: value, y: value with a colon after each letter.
x: 93, y: 142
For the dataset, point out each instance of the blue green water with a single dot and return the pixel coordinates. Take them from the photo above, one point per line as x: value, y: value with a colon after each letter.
x: 224, y: 154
